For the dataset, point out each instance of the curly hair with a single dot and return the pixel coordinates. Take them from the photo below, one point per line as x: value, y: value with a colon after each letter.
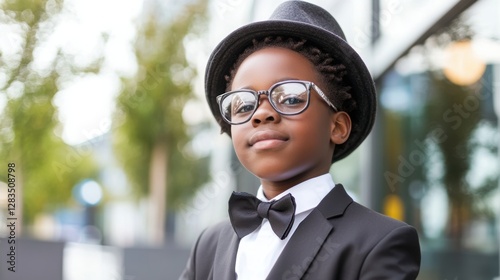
x: 331, y: 74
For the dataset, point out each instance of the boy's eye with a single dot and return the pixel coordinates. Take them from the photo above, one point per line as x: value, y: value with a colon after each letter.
x: 292, y: 99
x: 242, y: 103
x: 243, y: 108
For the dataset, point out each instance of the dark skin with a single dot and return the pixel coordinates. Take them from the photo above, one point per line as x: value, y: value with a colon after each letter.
x: 283, y: 151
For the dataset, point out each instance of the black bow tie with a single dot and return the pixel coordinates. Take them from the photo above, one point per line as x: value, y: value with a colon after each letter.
x: 246, y: 213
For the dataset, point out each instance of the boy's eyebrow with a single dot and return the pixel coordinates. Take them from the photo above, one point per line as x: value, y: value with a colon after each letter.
x: 274, y: 82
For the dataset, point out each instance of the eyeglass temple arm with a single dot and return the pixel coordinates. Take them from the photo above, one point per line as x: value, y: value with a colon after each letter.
x: 323, y: 95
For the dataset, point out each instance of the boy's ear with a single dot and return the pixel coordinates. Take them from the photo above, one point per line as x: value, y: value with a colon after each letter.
x: 340, y: 127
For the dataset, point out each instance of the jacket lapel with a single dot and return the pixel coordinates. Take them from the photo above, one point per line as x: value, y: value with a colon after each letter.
x: 310, y: 236
x: 225, y: 256
x: 335, y: 202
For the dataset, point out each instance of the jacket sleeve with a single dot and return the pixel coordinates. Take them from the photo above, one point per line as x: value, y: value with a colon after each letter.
x: 396, y: 256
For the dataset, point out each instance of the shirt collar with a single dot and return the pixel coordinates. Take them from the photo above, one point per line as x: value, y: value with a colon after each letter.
x: 307, y: 194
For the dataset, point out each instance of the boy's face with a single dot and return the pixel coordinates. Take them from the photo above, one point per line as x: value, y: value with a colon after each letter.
x: 285, y: 150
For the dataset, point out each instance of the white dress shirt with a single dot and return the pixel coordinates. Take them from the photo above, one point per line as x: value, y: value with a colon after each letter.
x: 258, y: 251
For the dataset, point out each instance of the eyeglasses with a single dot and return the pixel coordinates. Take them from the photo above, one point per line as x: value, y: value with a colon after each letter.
x: 287, y: 98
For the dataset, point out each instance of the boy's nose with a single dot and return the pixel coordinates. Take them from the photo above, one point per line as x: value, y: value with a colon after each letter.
x: 265, y: 112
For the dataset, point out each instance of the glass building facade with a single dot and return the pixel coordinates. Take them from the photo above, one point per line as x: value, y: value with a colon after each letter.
x: 435, y: 160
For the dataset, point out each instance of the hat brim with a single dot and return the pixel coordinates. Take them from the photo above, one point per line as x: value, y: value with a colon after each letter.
x: 363, y: 88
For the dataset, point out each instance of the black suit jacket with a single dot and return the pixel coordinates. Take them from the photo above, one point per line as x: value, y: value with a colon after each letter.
x: 340, y: 239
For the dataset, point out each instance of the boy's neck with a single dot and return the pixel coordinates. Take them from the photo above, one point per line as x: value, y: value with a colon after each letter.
x: 271, y: 189
x: 271, y: 193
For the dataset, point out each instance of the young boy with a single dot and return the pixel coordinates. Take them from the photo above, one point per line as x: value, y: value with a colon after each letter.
x: 295, y: 97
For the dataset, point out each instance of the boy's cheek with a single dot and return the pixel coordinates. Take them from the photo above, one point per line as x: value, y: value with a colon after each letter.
x: 235, y: 136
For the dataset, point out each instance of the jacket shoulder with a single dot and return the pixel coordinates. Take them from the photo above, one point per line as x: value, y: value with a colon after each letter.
x: 369, y: 218
x: 209, y: 237
x: 202, y: 259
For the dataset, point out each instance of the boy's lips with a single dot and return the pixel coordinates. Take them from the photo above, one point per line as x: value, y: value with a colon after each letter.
x: 267, y: 139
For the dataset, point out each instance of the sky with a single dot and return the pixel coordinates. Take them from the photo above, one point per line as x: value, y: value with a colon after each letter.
x: 86, y: 104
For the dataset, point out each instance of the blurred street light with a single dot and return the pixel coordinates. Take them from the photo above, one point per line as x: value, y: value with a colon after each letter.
x: 88, y: 192
x: 463, y: 66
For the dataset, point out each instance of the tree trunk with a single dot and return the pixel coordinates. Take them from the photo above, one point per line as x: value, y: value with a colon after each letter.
x: 157, y: 193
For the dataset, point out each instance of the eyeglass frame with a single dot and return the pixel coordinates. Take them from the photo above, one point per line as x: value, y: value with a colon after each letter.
x: 258, y: 93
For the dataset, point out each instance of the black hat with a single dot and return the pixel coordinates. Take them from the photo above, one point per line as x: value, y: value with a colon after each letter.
x: 306, y: 21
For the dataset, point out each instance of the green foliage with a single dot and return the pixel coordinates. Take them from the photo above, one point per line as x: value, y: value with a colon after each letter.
x: 151, y: 103
x: 46, y: 168
x: 20, y: 6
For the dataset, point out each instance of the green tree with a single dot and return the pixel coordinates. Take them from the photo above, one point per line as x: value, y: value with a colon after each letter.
x: 46, y: 168
x: 152, y: 135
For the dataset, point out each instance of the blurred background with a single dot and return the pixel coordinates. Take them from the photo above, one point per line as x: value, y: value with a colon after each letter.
x: 119, y: 165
